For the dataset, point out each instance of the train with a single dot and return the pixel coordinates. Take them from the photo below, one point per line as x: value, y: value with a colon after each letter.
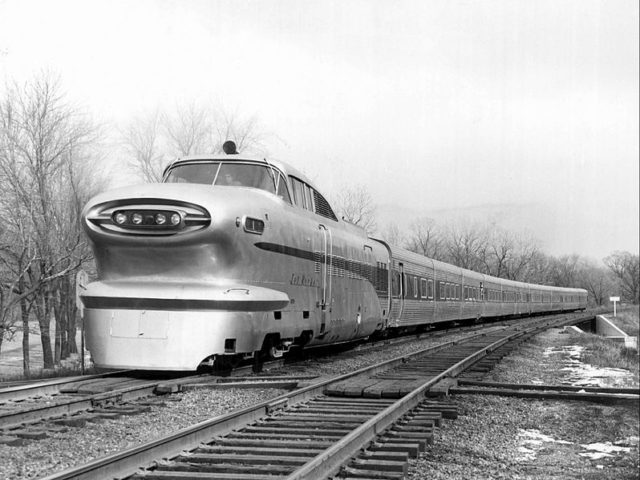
x: 235, y: 257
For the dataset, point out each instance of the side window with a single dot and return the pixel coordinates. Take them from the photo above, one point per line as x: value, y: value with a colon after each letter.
x: 423, y: 288
x: 308, y: 197
x: 298, y: 193
x: 430, y: 289
x: 415, y: 287
x: 395, y: 283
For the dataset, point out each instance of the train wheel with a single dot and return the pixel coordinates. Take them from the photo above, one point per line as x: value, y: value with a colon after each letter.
x: 270, y: 349
x: 227, y: 362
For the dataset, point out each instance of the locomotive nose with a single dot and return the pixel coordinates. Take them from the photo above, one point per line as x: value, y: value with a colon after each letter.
x: 146, y: 217
x: 175, y: 230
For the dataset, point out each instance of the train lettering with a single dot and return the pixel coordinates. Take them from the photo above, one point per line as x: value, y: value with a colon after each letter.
x: 303, y: 280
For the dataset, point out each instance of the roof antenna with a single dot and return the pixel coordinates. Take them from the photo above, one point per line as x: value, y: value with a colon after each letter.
x: 229, y: 148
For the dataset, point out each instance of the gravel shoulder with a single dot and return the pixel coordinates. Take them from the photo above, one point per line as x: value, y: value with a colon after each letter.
x: 513, y: 438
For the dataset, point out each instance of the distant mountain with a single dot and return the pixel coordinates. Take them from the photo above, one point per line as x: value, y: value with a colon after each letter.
x: 558, y: 233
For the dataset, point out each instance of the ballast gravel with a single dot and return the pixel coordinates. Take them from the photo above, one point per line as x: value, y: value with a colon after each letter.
x: 75, y: 446
x: 64, y: 449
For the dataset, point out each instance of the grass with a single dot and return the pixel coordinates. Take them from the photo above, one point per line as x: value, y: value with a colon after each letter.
x: 602, y: 352
x: 67, y: 369
x: 627, y: 319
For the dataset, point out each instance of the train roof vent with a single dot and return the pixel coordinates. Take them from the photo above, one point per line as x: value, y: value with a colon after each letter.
x: 322, y: 206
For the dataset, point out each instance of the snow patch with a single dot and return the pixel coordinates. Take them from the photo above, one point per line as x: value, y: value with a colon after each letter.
x: 585, y: 375
x: 602, y: 450
x: 526, y: 454
x: 531, y: 441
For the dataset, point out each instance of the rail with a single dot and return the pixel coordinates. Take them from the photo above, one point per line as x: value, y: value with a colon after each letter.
x: 325, y: 453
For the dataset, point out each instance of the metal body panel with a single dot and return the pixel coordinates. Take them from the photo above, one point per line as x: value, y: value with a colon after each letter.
x: 190, y: 337
x: 415, y: 311
x: 221, y: 282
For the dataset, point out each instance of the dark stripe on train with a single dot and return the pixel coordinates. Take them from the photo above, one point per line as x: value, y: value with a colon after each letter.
x: 126, y: 303
x: 378, y: 277
x: 291, y: 251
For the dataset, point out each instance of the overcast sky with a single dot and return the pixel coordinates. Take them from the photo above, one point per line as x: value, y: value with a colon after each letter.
x: 427, y: 103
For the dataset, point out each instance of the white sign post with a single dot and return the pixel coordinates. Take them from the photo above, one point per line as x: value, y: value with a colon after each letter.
x: 614, y: 300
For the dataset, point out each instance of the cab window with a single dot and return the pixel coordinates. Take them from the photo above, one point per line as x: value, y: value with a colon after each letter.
x: 283, y: 191
x: 202, y: 173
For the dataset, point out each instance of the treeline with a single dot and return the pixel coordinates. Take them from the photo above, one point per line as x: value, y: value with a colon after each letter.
x: 492, y: 250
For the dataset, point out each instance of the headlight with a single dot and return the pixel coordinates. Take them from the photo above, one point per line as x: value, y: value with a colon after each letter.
x: 161, y: 219
x: 148, y: 219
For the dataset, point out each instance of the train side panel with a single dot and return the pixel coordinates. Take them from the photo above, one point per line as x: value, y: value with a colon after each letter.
x: 427, y: 291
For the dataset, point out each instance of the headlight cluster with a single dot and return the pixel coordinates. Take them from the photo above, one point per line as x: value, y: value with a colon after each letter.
x: 147, y: 218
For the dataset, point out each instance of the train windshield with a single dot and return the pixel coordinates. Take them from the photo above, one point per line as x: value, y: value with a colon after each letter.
x: 203, y: 173
x: 227, y: 174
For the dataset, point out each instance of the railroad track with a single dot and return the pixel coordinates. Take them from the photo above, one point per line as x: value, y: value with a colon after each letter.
x: 19, y: 391
x: 57, y: 400
x: 361, y: 425
x: 105, y: 395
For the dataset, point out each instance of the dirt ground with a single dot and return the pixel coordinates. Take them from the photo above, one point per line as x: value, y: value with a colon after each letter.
x: 11, y: 353
x: 514, y: 438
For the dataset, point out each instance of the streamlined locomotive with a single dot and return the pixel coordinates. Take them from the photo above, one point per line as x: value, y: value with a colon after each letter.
x: 233, y: 256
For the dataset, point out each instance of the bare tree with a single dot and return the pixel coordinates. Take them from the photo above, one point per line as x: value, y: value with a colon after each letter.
x: 565, y: 270
x: 141, y: 139
x: 625, y: 266
x: 40, y: 135
x: 496, y: 252
x: 392, y: 234
x: 596, y: 281
x: 355, y: 205
x: 464, y: 244
x: 426, y: 238
x: 188, y: 129
x: 248, y: 135
x: 538, y: 269
x: 523, y: 254
x: 151, y: 140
